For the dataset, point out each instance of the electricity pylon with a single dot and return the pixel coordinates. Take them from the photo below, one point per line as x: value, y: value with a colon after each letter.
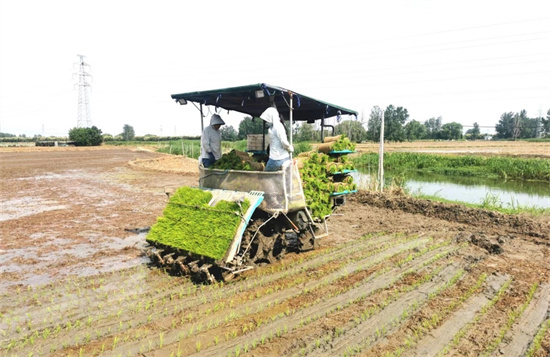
x: 84, y: 119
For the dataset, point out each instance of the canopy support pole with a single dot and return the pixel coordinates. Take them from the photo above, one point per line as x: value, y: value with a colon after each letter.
x: 291, y: 110
x: 264, y: 149
x: 202, y: 119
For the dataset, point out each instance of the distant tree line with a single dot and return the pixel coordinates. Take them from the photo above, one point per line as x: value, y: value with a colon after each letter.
x: 397, y: 127
x: 519, y: 126
x: 10, y: 138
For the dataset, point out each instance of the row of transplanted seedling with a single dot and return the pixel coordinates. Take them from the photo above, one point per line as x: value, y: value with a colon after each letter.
x: 381, y: 295
x: 87, y: 309
x: 99, y: 303
x: 253, y: 312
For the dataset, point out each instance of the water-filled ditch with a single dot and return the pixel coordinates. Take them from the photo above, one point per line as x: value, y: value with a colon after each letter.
x: 507, y: 193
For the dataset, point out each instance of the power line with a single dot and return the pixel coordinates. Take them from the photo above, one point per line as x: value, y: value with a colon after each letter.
x: 451, y: 45
x: 452, y: 30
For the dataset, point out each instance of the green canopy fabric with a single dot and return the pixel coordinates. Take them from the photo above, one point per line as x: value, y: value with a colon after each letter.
x: 254, y: 99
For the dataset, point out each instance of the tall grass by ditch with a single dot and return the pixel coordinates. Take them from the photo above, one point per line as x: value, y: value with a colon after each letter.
x: 492, y: 202
x: 462, y: 165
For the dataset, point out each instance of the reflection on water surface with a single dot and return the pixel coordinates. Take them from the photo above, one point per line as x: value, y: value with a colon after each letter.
x: 469, y: 189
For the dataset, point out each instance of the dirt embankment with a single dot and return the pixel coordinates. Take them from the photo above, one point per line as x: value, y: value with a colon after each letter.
x: 490, y: 221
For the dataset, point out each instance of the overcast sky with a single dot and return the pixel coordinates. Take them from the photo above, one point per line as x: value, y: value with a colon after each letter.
x: 466, y: 61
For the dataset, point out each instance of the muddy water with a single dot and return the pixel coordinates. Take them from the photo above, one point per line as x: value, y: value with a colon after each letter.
x: 469, y: 189
x: 34, y: 265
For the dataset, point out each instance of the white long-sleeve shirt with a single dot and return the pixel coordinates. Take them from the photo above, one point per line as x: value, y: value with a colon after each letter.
x: 278, y: 142
x: 211, y: 141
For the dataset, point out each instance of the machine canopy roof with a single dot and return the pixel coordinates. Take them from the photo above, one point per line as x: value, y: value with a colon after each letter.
x: 255, y: 98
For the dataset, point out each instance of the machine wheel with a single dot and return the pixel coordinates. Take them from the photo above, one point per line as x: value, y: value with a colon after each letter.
x: 262, y: 245
x: 307, y: 241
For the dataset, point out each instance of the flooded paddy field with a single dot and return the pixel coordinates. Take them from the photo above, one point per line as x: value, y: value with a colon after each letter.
x: 396, y: 276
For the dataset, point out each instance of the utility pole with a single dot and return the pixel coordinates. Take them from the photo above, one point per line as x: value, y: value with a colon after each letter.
x: 381, y: 155
x: 84, y: 119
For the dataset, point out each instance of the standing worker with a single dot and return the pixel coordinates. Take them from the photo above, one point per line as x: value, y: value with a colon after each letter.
x: 279, y: 147
x: 211, y: 142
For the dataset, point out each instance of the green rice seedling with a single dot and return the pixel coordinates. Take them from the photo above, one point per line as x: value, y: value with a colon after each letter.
x: 512, y: 316
x: 176, y: 227
x: 537, y: 341
x: 115, y: 341
x: 483, y: 311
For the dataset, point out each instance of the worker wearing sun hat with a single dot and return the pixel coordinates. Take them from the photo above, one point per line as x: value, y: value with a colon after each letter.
x: 279, y: 147
x: 211, y: 142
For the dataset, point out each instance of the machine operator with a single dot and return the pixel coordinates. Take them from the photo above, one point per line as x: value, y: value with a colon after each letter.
x: 211, y: 142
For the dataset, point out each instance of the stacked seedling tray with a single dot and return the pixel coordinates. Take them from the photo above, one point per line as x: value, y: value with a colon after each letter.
x: 326, y: 175
x: 343, y: 181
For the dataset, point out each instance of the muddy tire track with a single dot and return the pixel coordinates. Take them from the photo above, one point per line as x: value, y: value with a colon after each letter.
x: 376, y: 281
x: 369, y: 331
x: 523, y: 332
x: 381, y: 250
x: 432, y: 344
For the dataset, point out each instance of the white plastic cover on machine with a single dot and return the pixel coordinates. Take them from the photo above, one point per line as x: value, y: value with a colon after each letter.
x: 282, y: 189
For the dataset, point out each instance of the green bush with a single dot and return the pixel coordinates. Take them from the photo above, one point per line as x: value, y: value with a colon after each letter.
x: 301, y: 147
x: 86, y: 136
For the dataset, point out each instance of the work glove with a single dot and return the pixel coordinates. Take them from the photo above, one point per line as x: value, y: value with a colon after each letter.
x: 290, y: 148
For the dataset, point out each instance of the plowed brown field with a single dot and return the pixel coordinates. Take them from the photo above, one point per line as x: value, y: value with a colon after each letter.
x: 395, y: 277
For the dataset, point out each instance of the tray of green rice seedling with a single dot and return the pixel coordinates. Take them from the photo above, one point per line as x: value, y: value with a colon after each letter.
x: 208, y: 223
